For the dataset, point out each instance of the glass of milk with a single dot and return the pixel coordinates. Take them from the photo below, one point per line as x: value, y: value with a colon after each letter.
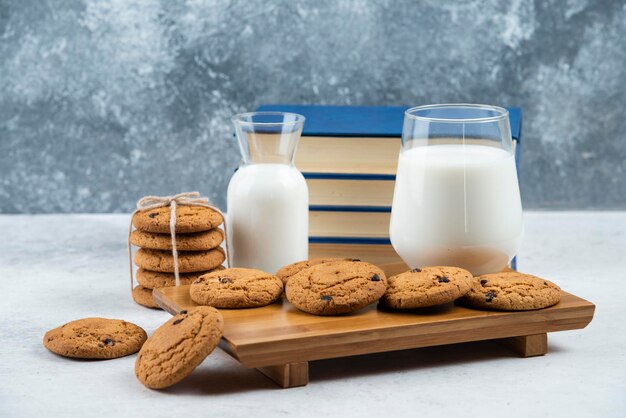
x: 268, y: 199
x: 456, y: 199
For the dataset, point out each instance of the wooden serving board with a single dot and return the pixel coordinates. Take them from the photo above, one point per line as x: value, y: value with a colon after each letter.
x: 280, y: 340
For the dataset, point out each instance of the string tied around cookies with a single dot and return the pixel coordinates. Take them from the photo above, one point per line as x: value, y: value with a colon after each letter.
x: 182, y: 199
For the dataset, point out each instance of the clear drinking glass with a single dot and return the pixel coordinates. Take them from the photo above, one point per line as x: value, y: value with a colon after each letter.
x: 456, y: 199
x: 268, y: 199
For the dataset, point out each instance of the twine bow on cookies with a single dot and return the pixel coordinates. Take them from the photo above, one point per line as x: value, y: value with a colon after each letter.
x: 184, y: 199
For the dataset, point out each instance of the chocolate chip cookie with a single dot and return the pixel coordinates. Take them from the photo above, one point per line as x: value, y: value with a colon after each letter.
x: 155, y: 279
x: 143, y: 296
x: 95, y: 338
x: 196, y: 241
x: 511, y: 291
x: 289, y: 270
x: 336, y: 288
x: 188, y: 219
x: 236, y: 288
x: 427, y: 286
x: 188, y: 261
x: 177, y: 347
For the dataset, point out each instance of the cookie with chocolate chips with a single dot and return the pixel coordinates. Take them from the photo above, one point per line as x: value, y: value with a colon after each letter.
x: 95, y: 338
x: 178, y: 346
x: 155, y: 280
x: 188, y: 261
x: 205, y: 240
x: 188, y: 219
x: 236, y: 288
x: 336, y: 288
x: 511, y: 291
x: 426, y: 286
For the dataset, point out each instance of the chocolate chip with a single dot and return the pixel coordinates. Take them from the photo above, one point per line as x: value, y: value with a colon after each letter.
x: 443, y: 279
x: 546, y: 283
x: 225, y: 279
x: 327, y: 298
x: 108, y: 341
x: 183, y: 312
x: 483, y: 282
x: 490, y: 295
x: 416, y: 270
x: 375, y: 278
x: 153, y: 215
x: 178, y: 321
x: 101, y: 345
x: 355, y: 259
x: 199, y: 280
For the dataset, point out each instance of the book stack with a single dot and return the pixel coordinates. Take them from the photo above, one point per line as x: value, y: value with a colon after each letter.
x: 348, y: 156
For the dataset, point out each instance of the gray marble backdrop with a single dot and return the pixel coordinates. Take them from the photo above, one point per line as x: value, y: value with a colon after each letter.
x: 102, y: 102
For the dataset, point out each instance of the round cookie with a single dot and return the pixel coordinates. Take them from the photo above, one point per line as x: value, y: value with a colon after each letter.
x: 337, y: 288
x: 95, y: 338
x: 143, y: 297
x: 188, y: 261
x: 196, y: 241
x: 156, y: 279
x: 188, y: 219
x: 427, y: 286
x: 289, y: 270
x: 236, y: 288
x: 178, y: 346
x: 511, y: 291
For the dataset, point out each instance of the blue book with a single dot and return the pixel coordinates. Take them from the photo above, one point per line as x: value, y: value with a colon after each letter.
x: 363, y: 121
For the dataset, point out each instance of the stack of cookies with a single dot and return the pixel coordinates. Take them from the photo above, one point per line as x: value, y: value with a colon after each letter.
x: 198, y: 240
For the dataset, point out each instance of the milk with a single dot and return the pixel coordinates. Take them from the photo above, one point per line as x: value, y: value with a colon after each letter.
x: 456, y: 205
x: 268, y: 218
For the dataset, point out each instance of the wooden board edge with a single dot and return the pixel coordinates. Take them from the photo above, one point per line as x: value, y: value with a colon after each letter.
x: 165, y: 303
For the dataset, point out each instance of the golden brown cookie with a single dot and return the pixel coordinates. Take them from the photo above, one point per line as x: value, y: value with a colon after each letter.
x: 196, y: 241
x: 143, y: 296
x: 337, y: 288
x: 236, y: 288
x: 511, y: 291
x: 289, y: 270
x: 188, y: 261
x: 427, y: 286
x: 188, y: 219
x: 177, y: 347
x: 156, y: 279
x: 95, y: 338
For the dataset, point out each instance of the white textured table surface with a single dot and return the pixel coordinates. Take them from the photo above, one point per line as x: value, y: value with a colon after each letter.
x: 57, y: 268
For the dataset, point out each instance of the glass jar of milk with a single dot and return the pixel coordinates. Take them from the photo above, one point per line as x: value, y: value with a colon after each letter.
x: 268, y: 199
x: 456, y: 200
